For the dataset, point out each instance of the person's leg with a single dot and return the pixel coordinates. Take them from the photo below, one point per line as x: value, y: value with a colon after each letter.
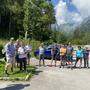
x: 21, y: 64
x: 55, y: 60
x: 65, y: 60
x: 28, y: 59
x: 60, y: 61
x: 39, y: 60
x: 84, y: 62
x: 8, y: 65
x: 80, y: 63
x: 6, y: 68
x: 76, y: 61
x: 52, y: 59
x: 71, y: 59
x: 87, y: 62
x: 13, y: 62
x: 43, y: 60
x: 24, y: 63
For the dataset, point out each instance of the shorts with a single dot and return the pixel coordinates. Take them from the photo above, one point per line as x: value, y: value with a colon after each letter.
x: 10, y: 60
x: 79, y: 58
x: 69, y: 58
x: 63, y: 57
x: 54, y: 56
x: 41, y: 57
x: 17, y: 58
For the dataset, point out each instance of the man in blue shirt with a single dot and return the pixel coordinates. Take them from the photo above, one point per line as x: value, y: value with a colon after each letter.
x: 79, y: 56
x: 10, y: 55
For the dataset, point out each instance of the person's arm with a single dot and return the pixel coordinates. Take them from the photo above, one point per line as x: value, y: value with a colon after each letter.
x: 7, y: 50
x: 19, y: 51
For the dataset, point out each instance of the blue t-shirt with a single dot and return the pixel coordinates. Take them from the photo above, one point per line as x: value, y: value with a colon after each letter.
x: 86, y: 53
x: 79, y: 53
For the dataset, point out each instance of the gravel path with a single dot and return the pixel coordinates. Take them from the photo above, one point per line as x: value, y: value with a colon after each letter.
x: 53, y: 78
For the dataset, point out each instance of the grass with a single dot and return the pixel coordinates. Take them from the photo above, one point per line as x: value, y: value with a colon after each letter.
x: 17, y: 74
x: 31, y: 69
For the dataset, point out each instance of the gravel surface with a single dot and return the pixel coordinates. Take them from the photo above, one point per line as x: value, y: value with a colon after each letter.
x: 53, y: 78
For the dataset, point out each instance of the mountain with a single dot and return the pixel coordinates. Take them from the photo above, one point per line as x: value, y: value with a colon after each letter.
x: 85, y: 25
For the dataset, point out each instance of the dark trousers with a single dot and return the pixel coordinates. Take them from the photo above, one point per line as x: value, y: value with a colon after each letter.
x: 23, y: 63
x: 41, y: 58
x: 54, y: 58
x: 77, y: 59
x: 86, y: 62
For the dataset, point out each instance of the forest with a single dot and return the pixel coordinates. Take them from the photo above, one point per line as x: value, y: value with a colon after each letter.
x: 33, y: 19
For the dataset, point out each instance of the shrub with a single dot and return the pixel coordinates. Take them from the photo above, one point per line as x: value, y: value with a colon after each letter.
x: 1, y: 47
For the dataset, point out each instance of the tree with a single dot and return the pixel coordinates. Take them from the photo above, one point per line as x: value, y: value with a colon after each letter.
x: 38, y: 16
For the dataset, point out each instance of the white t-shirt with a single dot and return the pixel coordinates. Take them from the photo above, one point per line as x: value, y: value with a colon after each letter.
x: 28, y: 48
x: 41, y: 50
x: 21, y: 51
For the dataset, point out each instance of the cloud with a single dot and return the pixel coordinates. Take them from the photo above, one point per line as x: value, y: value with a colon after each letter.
x: 64, y: 16
x: 60, y: 12
x: 83, y: 7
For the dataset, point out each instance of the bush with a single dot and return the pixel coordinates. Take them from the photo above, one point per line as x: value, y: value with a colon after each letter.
x: 2, y: 43
x: 1, y: 47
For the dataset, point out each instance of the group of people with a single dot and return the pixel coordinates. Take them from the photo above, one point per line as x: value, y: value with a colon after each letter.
x: 16, y: 53
x: 19, y: 53
x: 65, y: 53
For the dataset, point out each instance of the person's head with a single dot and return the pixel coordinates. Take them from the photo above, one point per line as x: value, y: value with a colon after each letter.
x: 62, y: 46
x: 79, y: 47
x: 18, y: 41
x: 86, y: 48
x: 11, y: 40
x: 69, y: 44
x: 41, y: 44
x: 22, y: 44
x: 52, y: 47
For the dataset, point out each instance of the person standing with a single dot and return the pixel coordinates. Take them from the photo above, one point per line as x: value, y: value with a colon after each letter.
x: 56, y: 53
x: 79, y: 56
x: 17, y: 45
x: 52, y: 54
x: 22, y: 56
x: 69, y: 54
x: 10, y: 55
x: 28, y: 49
x: 63, y: 51
x: 41, y: 54
x: 86, y: 58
